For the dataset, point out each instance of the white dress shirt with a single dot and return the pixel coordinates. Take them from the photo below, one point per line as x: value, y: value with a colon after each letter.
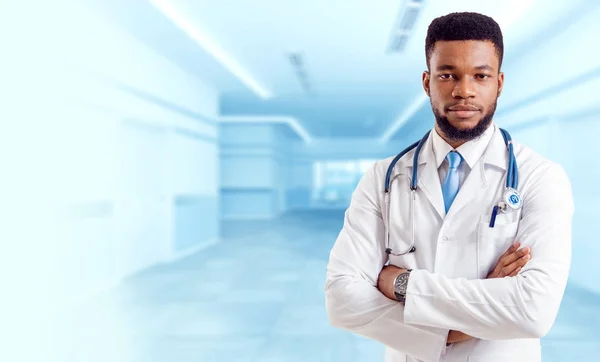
x: 470, y: 151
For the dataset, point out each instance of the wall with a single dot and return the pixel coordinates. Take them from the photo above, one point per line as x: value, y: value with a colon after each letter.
x: 300, y: 183
x: 116, y: 153
x: 557, y: 65
x: 254, y: 170
x: 577, y: 147
x: 571, y: 142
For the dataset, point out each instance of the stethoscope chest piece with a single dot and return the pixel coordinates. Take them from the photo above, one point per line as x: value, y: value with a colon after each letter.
x: 512, y: 199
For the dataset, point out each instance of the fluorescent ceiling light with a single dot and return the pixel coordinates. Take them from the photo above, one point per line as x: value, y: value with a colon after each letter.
x: 404, y: 117
x: 290, y: 121
x: 211, y: 47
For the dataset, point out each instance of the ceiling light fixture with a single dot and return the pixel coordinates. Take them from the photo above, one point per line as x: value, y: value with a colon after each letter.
x: 211, y: 47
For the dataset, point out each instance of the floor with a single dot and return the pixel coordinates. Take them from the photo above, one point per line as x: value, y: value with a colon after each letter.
x: 258, y: 296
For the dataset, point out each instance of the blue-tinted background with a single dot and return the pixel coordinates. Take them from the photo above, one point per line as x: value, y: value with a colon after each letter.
x: 175, y: 172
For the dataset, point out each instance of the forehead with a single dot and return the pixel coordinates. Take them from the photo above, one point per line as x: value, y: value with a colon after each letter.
x: 464, y: 53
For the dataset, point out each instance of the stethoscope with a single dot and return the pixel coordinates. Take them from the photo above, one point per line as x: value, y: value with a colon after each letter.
x: 511, y: 199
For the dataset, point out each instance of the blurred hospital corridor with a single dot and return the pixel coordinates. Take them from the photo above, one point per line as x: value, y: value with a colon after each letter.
x: 258, y: 296
x: 176, y: 172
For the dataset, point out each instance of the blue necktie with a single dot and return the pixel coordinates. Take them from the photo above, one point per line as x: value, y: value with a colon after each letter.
x: 451, y: 185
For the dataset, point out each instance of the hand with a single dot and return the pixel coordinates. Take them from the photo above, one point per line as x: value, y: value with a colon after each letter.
x: 509, y: 265
x: 510, y: 262
x: 385, y: 281
x: 457, y: 336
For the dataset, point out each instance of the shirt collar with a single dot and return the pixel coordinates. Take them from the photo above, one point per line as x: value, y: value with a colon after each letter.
x: 471, y: 151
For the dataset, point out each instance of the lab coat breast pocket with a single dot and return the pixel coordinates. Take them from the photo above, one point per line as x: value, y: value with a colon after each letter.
x: 493, y: 242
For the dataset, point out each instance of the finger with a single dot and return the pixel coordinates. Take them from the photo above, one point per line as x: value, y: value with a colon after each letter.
x: 504, y: 260
x: 526, y: 250
x: 512, y: 249
x: 516, y: 272
x: 517, y: 264
x: 511, y: 258
x: 509, y: 251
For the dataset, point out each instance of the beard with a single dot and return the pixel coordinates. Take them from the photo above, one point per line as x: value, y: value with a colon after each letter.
x: 457, y: 134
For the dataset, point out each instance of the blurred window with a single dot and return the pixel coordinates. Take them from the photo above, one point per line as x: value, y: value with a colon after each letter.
x: 335, y: 181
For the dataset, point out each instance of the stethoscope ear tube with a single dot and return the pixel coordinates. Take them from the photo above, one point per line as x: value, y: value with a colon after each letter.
x: 413, y: 182
x: 393, y: 164
x: 388, y: 174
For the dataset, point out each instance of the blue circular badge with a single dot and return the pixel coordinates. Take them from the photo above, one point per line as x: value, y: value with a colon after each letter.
x: 513, y: 199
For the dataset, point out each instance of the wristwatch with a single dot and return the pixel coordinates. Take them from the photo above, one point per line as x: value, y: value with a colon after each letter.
x: 400, y: 284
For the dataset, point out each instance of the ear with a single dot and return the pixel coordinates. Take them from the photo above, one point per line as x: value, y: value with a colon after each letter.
x: 426, y: 77
x: 500, y: 82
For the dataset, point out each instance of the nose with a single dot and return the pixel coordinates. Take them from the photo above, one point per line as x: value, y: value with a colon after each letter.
x: 463, y: 89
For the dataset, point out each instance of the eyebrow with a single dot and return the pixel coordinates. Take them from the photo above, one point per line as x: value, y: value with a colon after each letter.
x: 452, y: 67
x: 484, y: 67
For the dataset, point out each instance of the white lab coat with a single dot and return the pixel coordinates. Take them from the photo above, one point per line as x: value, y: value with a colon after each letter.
x: 447, y: 289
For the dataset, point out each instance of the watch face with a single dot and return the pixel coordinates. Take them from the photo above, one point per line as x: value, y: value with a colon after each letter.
x: 401, y: 283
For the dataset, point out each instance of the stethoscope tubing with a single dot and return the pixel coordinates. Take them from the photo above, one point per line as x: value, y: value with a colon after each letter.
x: 511, y: 184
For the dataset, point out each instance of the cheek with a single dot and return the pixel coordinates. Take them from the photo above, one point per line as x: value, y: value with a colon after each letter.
x: 489, y: 91
x: 489, y: 98
x: 440, y: 91
x: 437, y: 100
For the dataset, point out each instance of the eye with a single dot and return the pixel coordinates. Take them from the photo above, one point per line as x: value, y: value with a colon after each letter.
x: 482, y: 76
x: 445, y: 76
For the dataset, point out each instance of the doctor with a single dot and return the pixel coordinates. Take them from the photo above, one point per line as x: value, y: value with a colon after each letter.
x: 465, y: 258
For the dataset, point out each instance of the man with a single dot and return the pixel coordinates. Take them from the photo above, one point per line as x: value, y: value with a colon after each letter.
x: 469, y: 291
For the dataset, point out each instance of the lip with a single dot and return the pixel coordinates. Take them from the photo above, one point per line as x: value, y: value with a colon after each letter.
x: 463, y: 110
x: 460, y: 107
x: 464, y: 114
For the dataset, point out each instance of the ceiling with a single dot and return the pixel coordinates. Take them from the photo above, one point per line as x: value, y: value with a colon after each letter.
x: 347, y: 84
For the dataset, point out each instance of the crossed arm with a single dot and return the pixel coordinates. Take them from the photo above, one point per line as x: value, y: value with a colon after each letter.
x: 523, y: 306
x: 509, y: 265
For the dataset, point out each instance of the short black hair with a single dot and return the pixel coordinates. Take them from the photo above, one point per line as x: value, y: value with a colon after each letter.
x: 464, y: 26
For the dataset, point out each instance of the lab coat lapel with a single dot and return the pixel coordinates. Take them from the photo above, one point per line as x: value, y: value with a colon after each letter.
x: 429, y: 178
x: 476, y: 184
